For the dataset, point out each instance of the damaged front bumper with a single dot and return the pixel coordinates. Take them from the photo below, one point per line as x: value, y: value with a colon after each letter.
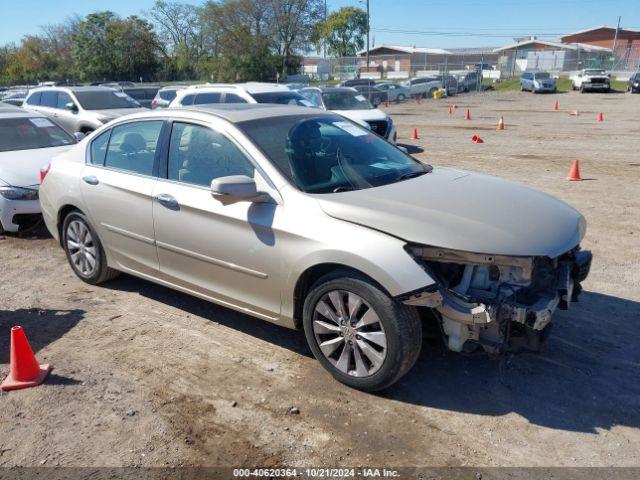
x: 498, y: 302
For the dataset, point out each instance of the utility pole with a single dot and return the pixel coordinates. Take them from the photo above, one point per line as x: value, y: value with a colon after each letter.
x: 325, y: 38
x: 615, y: 38
x: 367, y: 36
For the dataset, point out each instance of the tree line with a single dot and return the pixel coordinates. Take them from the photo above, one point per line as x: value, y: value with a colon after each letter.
x: 219, y: 40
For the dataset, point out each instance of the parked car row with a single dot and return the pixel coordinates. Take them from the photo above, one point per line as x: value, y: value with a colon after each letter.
x: 586, y: 80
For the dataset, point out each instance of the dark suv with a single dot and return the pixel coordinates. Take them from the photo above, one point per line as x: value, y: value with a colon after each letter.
x: 634, y: 83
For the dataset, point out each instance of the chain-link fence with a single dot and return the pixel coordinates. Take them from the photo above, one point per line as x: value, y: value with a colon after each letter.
x: 495, y: 63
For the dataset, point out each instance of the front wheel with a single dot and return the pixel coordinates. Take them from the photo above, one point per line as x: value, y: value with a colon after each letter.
x: 84, y: 250
x: 400, y: 97
x: 364, y: 338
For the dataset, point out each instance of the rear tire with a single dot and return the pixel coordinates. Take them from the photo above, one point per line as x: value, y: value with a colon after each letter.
x: 379, y: 316
x: 84, y: 250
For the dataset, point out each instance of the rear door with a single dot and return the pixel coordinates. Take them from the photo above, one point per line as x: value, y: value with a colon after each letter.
x: 117, y: 186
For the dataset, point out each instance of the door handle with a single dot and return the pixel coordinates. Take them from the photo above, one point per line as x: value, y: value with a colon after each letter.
x: 91, y: 180
x: 167, y: 200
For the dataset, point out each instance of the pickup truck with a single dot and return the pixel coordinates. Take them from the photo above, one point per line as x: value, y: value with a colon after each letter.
x: 591, y: 79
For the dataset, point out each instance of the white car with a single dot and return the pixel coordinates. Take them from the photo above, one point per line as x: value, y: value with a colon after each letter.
x: 591, y: 79
x: 251, y: 92
x: 28, y: 141
x: 350, y: 103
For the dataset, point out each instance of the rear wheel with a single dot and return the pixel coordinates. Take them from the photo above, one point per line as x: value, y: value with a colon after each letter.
x: 84, y: 250
x: 364, y: 338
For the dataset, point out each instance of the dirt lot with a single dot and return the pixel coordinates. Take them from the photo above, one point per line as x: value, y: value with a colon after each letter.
x: 147, y: 376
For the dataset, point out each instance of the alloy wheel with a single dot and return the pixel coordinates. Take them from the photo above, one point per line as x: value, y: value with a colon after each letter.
x: 349, y: 333
x: 81, y: 247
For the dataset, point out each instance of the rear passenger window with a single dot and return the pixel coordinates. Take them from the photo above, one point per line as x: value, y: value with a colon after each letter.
x: 34, y: 99
x: 132, y: 147
x: 233, y: 98
x: 205, y: 98
x: 99, y: 148
x: 49, y: 99
x: 188, y: 100
x: 198, y: 155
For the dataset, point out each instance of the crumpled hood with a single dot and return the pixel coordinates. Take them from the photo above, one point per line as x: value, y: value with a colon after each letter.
x: 21, y: 168
x: 464, y: 211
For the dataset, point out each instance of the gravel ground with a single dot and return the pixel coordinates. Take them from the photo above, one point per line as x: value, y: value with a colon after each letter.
x: 145, y: 376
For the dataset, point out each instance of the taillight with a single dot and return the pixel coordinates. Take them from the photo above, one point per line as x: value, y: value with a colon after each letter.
x: 44, y: 171
x: 154, y: 103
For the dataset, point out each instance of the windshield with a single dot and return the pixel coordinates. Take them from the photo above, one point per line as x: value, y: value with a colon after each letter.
x: 105, y: 100
x: 282, y: 98
x: 346, y: 100
x: 325, y: 154
x: 29, y: 133
x: 542, y: 76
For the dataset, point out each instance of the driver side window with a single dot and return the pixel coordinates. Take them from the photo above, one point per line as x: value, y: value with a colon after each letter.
x: 198, y: 155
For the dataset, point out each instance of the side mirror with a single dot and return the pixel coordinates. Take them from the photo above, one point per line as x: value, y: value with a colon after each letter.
x: 402, y: 149
x: 236, y: 188
x: 71, y: 107
x: 79, y: 135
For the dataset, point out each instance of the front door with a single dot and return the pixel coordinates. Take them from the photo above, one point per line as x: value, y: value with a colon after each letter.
x: 225, y: 252
x: 117, y: 187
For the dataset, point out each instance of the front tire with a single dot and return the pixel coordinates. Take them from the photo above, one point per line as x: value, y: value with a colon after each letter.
x: 84, y: 250
x: 364, y: 338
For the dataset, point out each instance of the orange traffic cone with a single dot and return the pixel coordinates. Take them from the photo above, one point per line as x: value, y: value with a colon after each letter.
x: 555, y: 105
x: 476, y: 139
x: 601, y: 117
x: 500, y: 124
x: 450, y: 110
x: 574, y: 173
x: 418, y: 101
x: 386, y: 104
x: 468, y: 115
x: 415, y: 135
x: 24, y: 369
x: 573, y: 113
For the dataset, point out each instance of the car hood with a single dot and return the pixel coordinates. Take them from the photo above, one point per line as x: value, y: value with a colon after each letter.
x: 464, y: 211
x: 363, y: 116
x: 21, y: 168
x: 112, y: 113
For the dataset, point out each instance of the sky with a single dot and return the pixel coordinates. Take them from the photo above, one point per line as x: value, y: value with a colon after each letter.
x: 422, y: 23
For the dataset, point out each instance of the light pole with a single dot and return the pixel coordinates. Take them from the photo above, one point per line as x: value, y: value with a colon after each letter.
x: 367, y: 36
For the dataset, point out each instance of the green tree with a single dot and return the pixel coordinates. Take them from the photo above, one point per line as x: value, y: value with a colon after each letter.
x: 343, y: 32
x: 108, y: 47
x: 91, y: 53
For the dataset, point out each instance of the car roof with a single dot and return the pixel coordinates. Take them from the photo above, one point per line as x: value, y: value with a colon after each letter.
x: 96, y: 88
x: 232, y: 112
x: 249, y: 87
x: 11, y: 111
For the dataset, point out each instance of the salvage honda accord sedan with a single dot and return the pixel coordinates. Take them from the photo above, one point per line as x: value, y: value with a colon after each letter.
x: 308, y: 220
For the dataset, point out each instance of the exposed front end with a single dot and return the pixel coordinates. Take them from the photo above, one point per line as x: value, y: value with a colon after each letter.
x: 19, y: 207
x: 501, y: 303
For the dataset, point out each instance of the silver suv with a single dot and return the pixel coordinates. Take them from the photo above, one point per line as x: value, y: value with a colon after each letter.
x: 81, y: 109
x: 306, y: 219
